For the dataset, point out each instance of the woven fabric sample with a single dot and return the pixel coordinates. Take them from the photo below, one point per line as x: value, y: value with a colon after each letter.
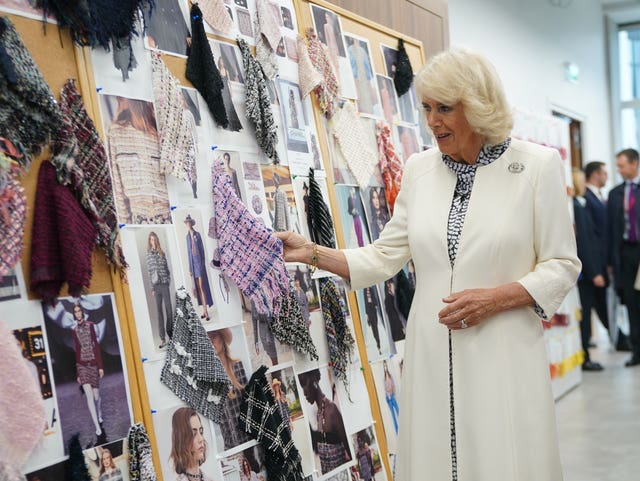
x: 13, y: 213
x: 320, y: 222
x: 390, y: 164
x: 268, y: 25
x: 140, y: 458
x: 216, y: 15
x: 309, y: 77
x: 327, y: 91
x: 352, y: 141
x: 176, y: 126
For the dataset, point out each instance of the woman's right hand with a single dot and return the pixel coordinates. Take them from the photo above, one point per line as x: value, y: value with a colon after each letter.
x: 295, y: 248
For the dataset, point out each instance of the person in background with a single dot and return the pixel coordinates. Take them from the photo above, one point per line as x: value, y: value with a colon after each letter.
x: 281, y: 399
x: 160, y: 278
x: 365, y: 460
x: 623, y: 211
x: 108, y: 469
x: 198, y: 267
x: 592, y: 264
x: 188, y: 445
x: 390, y: 395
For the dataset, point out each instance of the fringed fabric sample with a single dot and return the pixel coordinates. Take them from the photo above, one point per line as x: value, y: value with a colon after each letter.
x: 81, y: 162
x: 339, y: 338
x: 320, y: 222
x: 352, y: 141
x: 74, y: 15
x: 62, y: 239
x: 176, y: 125
x: 260, y: 417
x: 29, y: 114
x: 403, y: 77
x: 327, y: 91
x: 202, y: 71
x: 309, y: 77
x: 390, y: 164
x: 258, y: 103
x: 216, y: 15
x: 289, y: 327
x: 192, y: 369
x: 140, y: 458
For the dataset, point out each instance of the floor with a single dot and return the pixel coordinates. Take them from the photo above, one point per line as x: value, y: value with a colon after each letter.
x: 599, y: 422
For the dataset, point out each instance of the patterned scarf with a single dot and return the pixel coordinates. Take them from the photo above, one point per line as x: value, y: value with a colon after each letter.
x: 260, y: 417
x: 140, y: 459
x: 403, y: 77
x: 320, y: 222
x: 258, y: 104
x: 176, y: 127
x: 390, y: 164
x: 81, y: 163
x: 351, y: 137
x: 251, y: 256
x: 29, y: 113
x: 339, y: 338
x: 202, y: 70
x: 309, y: 77
x: 327, y: 91
x: 216, y: 15
x: 62, y: 239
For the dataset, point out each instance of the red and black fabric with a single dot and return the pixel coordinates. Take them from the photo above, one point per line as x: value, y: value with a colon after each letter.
x: 62, y: 239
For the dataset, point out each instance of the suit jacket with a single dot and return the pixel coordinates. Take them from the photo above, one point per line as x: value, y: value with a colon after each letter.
x: 598, y: 212
x: 615, y: 220
x: 517, y: 228
x: 588, y: 248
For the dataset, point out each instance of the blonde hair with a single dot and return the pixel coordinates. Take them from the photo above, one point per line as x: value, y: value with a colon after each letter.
x: 579, y: 186
x: 460, y: 75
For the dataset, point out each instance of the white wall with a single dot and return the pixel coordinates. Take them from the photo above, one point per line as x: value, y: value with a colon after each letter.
x: 528, y: 41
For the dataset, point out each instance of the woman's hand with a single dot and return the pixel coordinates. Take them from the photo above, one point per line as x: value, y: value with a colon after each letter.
x: 295, y: 248
x: 472, y: 305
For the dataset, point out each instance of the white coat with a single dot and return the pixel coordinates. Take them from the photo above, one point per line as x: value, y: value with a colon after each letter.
x: 517, y: 228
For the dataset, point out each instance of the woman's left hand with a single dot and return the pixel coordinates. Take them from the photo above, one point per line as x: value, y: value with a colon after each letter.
x: 471, y: 305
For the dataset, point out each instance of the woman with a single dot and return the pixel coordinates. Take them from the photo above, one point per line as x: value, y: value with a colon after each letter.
x: 363, y: 74
x: 295, y: 123
x: 108, y: 469
x: 247, y: 474
x: 89, y: 368
x: 231, y: 434
x: 198, y: 267
x: 397, y: 322
x: 134, y: 154
x: 390, y: 395
x: 232, y: 115
x: 485, y: 219
x: 226, y: 160
x: 160, y: 277
x: 330, y: 439
x: 365, y: 460
x: 379, y: 212
x: 188, y: 445
x: 281, y: 400
x: 331, y: 39
x: 354, y: 211
x: 587, y: 242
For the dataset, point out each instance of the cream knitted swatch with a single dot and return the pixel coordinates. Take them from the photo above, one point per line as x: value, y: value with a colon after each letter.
x: 175, y: 124
x: 216, y: 15
x: 352, y: 141
x: 309, y: 77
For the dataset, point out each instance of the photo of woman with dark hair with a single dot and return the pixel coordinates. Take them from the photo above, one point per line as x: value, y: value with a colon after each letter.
x: 329, y: 439
x: 227, y: 96
x: 354, y: 212
x: 188, y: 445
x: 198, y: 267
x: 160, y: 277
x: 232, y: 435
x: 108, y: 469
x: 139, y: 185
x: 397, y: 322
x: 379, y: 214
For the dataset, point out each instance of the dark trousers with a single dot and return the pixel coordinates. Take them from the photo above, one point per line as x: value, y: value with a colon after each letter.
x: 163, y: 296
x: 591, y: 297
x: 630, y: 259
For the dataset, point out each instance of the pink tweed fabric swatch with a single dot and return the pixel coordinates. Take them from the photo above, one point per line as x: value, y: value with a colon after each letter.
x: 13, y: 213
x: 352, y: 141
x: 268, y: 24
x: 176, y: 127
x: 22, y: 411
x: 390, y: 164
x: 327, y: 91
x: 309, y: 77
x: 216, y: 15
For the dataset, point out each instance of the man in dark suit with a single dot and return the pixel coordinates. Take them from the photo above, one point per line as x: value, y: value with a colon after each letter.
x: 623, y: 211
x: 595, y: 293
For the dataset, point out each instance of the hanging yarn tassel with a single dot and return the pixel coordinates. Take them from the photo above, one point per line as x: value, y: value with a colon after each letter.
x: 258, y: 103
x: 321, y: 224
x: 403, y: 77
x: 76, y: 467
x: 339, y: 338
x: 391, y: 166
x: 202, y: 71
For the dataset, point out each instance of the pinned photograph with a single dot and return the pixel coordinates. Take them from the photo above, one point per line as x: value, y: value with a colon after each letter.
x: 109, y: 462
x: 408, y: 141
x: 166, y: 26
x: 280, y: 198
x: 295, y: 116
x: 326, y: 426
x: 367, y: 453
x: 247, y: 465
x: 354, y: 224
x: 406, y: 102
x: 285, y: 391
x: 388, y: 99
x: 377, y: 210
x: 226, y: 56
x: 392, y: 308
x: 86, y: 354
x: 12, y: 285
x: 386, y: 375
x: 374, y: 326
x: 132, y: 142
x: 368, y: 100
